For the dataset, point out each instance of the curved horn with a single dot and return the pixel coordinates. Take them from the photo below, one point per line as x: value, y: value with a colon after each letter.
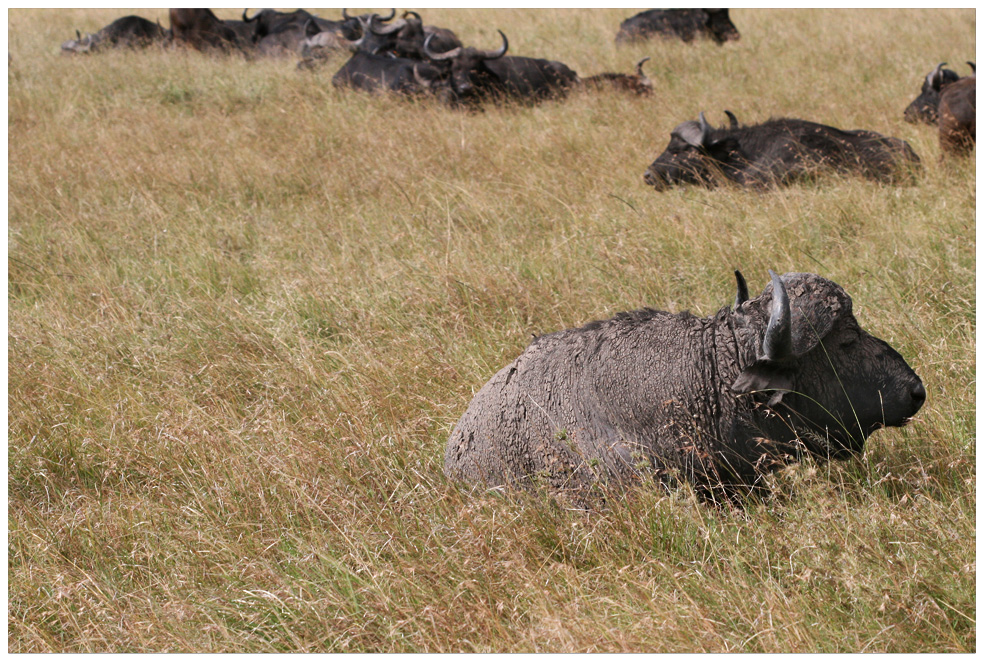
x: 733, y: 121
x: 742, y: 295
x: 639, y: 67
x: 355, y: 45
x: 390, y: 17
x: 973, y: 67
x: 345, y: 15
x: 705, y: 129
x: 384, y: 29
x: 423, y: 82
x: 778, y: 341
x: 414, y: 14
x: 935, y: 77
x: 78, y: 35
x: 308, y: 32
x: 246, y: 19
x: 496, y: 54
x: 453, y: 53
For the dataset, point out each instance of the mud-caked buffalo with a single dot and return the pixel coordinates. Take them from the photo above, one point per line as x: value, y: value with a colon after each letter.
x: 774, y: 152
x: 718, y: 401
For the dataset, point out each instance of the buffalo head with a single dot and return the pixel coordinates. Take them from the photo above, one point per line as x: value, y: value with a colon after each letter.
x: 830, y: 381
x: 688, y: 158
x: 925, y: 107
x: 468, y: 74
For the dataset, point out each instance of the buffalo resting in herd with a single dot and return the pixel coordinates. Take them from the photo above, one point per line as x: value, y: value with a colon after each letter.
x: 685, y: 24
x: 958, y: 117
x: 777, y: 151
x: 126, y: 32
x: 718, y: 402
x: 386, y: 54
x: 925, y: 107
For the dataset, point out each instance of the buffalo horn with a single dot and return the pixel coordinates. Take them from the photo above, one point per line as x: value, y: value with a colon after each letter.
x: 388, y: 18
x: 384, y: 29
x: 732, y: 119
x: 447, y: 55
x: 345, y: 15
x: 496, y: 54
x: 639, y: 68
x: 247, y: 19
x: 423, y: 82
x: 409, y: 13
x: 973, y: 67
x: 705, y: 129
x: 778, y: 341
x: 354, y: 45
x: 742, y: 295
x: 78, y: 35
x: 935, y: 77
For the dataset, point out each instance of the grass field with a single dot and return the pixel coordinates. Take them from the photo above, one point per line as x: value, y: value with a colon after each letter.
x: 245, y: 311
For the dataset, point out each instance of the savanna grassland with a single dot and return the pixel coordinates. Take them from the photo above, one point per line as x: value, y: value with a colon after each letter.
x: 245, y: 311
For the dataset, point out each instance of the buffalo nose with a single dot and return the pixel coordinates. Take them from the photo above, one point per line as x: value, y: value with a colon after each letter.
x: 919, y: 395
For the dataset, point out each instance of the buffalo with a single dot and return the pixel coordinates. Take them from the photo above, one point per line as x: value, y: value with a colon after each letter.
x: 682, y: 24
x: 476, y: 75
x: 638, y: 83
x: 371, y: 72
x: 718, y: 402
x: 203, y: 30
x: 925, y: 107
x: 958, y: 116
x: 280, y: 33
x: 776, y: 151
x: 405, y: 36
x: 126, y: 32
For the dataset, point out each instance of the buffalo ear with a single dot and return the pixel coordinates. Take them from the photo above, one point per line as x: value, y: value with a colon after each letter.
x: 764, y: 375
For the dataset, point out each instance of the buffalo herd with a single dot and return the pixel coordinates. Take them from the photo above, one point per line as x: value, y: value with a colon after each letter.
x: 720, y: 401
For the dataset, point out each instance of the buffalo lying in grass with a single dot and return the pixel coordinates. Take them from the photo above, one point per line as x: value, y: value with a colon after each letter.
x: 719, y: 401
x: 958, y: 116
x: 775, y: 151
x: 125, y: 32
x: 685, y: 24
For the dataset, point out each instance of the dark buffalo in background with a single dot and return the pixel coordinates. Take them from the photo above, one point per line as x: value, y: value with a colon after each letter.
x: 127, y: 32
x: 244, y: 31
x: 925, y: 107
x: 203, y: 30
x: 958, y: 116
x: 351, y: 34
x: 685, y: 24
x: 776, y: 151
x: 280, y: 33
x: 476, y: 75
x: 717, y: 401
x: 637, y: 83
x: 371, y: 72
x: 406, y: 35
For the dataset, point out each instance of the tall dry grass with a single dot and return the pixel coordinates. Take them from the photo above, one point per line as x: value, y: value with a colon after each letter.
x: 245, y: 310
